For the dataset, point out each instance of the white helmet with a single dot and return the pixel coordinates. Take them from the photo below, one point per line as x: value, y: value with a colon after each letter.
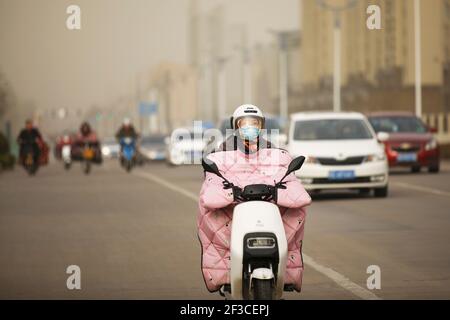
x: 246, y: 110
x: 126, y: 121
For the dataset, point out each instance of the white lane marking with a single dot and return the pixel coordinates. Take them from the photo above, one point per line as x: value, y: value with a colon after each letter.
x: 167, y: 184
x: 338, y: 278
x: 422, y: 189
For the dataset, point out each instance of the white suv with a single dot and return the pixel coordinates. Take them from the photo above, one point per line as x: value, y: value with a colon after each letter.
x: 342, y: 152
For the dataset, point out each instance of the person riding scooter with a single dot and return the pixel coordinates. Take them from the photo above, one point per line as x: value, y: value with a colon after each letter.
x: 29, y: 139
x: 127, y: 130
x: 86, y: 136
x: 245, y: 158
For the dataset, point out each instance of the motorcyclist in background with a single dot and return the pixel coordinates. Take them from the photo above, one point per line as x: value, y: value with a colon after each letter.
x: 126, y: 130
x: 86, y: 135
x: 29, y: 136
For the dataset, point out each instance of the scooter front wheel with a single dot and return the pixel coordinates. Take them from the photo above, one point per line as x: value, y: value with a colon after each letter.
x: 129, y: 166
x: 87, y: 167
x: 263, y: 289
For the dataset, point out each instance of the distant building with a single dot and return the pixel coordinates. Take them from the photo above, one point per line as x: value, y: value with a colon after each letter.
x: 378, y: 71
x: 176, y: 94
x: 235, y: 37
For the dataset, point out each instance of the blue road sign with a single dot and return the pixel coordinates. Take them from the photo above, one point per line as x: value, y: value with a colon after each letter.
x: 147, y: 108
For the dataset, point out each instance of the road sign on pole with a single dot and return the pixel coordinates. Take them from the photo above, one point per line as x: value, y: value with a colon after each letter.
x: 147, y: 108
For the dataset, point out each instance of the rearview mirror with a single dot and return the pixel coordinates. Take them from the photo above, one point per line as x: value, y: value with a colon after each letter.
x: 211, y: 167
x: 382, y: 136
x: 433, y: 130
x: 295, y: 164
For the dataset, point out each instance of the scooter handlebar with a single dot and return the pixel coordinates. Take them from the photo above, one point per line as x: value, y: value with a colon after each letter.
x: 253, y: 192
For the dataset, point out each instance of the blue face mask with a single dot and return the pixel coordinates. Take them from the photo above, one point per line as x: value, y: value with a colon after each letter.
x: 249, y: 133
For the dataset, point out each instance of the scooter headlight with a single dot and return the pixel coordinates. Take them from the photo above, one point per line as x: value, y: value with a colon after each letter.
x: 127, y: 140
x: 106, y: 151
x: 261, y: 243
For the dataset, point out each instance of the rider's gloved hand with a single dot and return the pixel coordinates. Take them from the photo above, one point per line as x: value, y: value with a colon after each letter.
x: 237, y: 191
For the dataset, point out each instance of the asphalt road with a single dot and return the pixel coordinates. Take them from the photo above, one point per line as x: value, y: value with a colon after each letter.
x: 134, y: 236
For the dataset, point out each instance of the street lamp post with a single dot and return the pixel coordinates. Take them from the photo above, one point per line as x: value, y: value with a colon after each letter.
x: 283, y: 39
x: 247, y: 77
x: 418, y: 58
x: 336, y: 9
x: 246, y: 73
x: 221, y: 88
x: 337, y: 64
x: 283, y: 78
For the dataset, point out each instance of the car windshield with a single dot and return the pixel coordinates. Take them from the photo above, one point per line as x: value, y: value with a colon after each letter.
x: 331, y: 129
x: 153, y: 140
x: 397, y: 124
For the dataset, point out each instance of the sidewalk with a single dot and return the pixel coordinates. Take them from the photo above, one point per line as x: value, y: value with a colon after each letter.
x: 445, y: 164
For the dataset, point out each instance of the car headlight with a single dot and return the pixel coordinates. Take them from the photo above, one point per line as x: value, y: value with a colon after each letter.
x: 375, y: 157
x: 312, y: 160
x: 432, y: 144
x: 150, y: 153
x: 106, y: 151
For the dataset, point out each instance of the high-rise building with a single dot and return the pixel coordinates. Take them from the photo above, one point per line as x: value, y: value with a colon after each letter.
x: 378, y: 69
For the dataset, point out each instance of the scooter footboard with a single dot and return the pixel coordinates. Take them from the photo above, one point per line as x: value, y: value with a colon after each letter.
x: 255, y: 223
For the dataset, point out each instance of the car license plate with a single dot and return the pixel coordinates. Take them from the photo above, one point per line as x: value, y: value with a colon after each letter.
x: 407, y: 157
x: 341, y: 175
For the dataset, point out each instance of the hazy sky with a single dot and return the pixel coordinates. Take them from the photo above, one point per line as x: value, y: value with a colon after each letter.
x: 258, y: 15
x: 53, y: 67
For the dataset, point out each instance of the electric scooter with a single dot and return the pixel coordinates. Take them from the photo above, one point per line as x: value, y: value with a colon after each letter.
x: 28, y: 160
x: 66, y: 152
x: 128, y: 153
x: 88, y: 157
x: 258, y: 247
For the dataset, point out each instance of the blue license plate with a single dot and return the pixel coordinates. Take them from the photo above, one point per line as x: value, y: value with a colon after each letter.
x: 341, y: 175
x: 407, y: 157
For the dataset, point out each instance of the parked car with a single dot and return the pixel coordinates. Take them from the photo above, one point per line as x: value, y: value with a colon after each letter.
x: 153, y: 147
x: 341, y: 150
x: 186, y: 146
x: 409, y: 141
x: 110, y: 148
